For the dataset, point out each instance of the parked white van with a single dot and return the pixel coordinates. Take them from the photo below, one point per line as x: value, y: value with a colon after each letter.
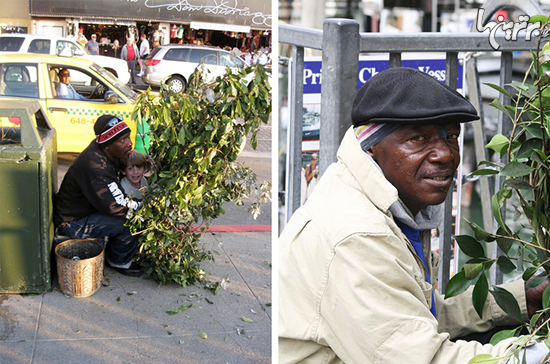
x: 47, y: 44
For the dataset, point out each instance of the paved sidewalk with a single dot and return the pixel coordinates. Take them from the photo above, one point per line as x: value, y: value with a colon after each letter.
x: 126, y: 321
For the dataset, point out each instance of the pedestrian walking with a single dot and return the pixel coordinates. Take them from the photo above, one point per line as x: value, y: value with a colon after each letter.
x: 130, y: 54
x: 93, y: 45
x: 144, y: 50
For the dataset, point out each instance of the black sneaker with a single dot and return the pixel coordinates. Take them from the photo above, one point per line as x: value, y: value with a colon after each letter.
x: 133, y: 271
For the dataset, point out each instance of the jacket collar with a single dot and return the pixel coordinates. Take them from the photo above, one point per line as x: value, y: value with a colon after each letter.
x: 368, y: 175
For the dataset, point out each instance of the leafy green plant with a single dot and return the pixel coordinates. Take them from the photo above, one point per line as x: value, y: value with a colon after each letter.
x: 195, y: 140
x: 524, y: 241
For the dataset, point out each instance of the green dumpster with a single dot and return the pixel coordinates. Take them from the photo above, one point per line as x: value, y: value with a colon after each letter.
x: 28, y: 178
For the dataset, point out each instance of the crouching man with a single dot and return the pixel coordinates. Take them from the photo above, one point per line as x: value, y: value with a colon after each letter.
x: 91, y: 202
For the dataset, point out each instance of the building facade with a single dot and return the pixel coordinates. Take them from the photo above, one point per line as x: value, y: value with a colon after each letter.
x: 240, y: 23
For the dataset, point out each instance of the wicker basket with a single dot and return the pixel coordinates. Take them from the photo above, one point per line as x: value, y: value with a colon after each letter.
x: 79, y: 267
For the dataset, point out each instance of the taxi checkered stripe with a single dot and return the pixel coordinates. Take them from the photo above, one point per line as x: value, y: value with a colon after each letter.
x: 96, y: 113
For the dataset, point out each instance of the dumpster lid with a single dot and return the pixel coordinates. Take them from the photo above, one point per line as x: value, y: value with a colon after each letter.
x: 24, y: 111
x: 30, y: 105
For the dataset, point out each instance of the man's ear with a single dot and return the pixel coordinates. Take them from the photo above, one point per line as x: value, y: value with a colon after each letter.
x: 371, y: 153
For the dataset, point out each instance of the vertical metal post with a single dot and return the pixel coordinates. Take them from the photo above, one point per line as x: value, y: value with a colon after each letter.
x: 341, y: 44
x: 434, y: 16
x: 395, y: 60
x: 472, y: 77
x: 296, y: 102
x: 504, y: 128
x: 446, y: 229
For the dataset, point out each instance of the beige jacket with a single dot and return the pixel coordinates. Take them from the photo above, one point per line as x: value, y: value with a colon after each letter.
x: 351, y: 288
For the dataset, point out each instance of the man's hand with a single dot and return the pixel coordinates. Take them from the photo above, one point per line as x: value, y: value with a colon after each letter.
x: 533, y: 295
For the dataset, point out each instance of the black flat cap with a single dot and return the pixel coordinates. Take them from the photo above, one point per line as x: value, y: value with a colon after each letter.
x: 409, y: 96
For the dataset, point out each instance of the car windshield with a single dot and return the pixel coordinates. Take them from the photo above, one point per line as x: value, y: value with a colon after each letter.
x: 232, y: 61
x: 126, y: 90
x: 81, y: 48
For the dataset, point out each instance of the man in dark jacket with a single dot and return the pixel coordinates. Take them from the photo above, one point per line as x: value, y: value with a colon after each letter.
x: 91, y: 202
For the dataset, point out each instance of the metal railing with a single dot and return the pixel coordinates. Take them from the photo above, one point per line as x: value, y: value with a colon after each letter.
x: 341, y: 44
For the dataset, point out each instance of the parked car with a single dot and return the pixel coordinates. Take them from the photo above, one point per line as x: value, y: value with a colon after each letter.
x: 173, y: 64
x: 45, y: 44
x: 35, y: 77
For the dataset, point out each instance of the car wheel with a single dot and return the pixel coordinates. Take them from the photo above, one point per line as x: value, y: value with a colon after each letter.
x: 176, y: 84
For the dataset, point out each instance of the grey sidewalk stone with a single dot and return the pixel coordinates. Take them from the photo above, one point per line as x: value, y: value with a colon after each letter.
x: 126, y: 320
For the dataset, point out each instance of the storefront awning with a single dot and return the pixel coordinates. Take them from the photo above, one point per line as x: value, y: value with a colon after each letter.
x: 220, y: 27
x: 255, y: 14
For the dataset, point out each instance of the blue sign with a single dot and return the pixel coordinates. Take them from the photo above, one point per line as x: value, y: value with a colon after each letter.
x: 368, y: 68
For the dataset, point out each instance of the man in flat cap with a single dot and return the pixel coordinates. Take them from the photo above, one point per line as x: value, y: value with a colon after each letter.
x: 91, y: 202
x: 355, y: 267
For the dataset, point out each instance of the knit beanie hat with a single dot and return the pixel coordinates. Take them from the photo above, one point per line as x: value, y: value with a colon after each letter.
x: 405, y: 96
x: 109, y: 128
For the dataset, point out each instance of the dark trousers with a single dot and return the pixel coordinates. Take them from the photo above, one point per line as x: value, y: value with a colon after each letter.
x: 121, y: 244
x: 132, y: 66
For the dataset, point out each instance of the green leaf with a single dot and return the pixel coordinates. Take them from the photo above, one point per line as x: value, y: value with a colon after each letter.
x: 534, y: 320
x: 479, y: 295
x: 470, y: 246
x: 499, y: 89
x: 533, y: 129
x: 507, y: 302
x: 246, y: 319
x: 505, y: 264
x: 457, y: 284
x: 518, y: 184
x: 484, y: 172
x: 499, y: 143
x: 503, y: 335
x: 179, y: 309
x: 492, y: 164
x: 516, y: 169
x: 527, y: 147
x: 538, y: 18
x: 498, y: 105
x: 546, y: 297
x: 505, y: 244
x: 528, y: 274
x: 181, y: 137
x: 472, y: 270
x: 497, y: 202
x: 203, y: 335
x: 484, y: 359
x: 535, y: 282
x: 479, y: 232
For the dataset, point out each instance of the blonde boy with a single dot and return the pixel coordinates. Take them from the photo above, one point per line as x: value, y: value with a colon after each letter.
x: 134, y: 182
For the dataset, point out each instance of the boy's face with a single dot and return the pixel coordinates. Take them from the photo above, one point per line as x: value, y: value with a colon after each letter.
x: 134, y: 174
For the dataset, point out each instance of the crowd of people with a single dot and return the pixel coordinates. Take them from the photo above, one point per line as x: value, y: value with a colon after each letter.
x: 261, y: 55
x: 258, y: 55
